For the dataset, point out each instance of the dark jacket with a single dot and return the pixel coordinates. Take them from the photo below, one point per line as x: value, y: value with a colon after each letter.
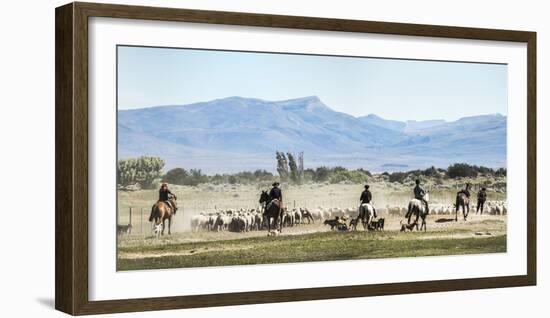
x: 276, y: 193
x: 165, y: 195
x: 366, y: 197
x: 482, y: 195
x: 419, y: 192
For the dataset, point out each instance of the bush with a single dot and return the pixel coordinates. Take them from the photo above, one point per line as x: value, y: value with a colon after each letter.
x: 192, y: 177
x: 195, y: 178
x: 176, y: 176
x: 430, y: 172
x: 501, y: 172
x: 398, y: 177
x: 321, y: 174
x: 461, y: 170
x: 143, y: 170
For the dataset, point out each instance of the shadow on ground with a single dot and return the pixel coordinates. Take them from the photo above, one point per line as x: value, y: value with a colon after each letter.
x: 444, y: 220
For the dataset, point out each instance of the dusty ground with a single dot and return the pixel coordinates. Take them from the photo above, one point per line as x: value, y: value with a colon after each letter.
x: 480, y: 234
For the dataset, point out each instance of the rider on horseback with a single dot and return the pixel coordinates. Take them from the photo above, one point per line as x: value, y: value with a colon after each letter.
x: 274, y: 194
x: 166, y: 196
x: 366, y: 198
x: 419, y: 194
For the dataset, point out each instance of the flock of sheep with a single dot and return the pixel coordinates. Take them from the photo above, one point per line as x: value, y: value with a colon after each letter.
x: 490, y: 208
x: 244, y: 220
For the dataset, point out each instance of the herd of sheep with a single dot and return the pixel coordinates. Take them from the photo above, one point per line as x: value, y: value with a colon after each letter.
x: 244, y: 220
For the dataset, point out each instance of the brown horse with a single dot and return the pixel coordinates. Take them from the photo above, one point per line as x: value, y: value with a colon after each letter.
x: 161, y: 211
x: 463, y: 201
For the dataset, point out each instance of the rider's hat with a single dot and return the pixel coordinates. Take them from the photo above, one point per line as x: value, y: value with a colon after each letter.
x: 367, y: 186
x: 417, y: 181
x: 275, y: 184
x: 483, y: 188
x: 164, y: 184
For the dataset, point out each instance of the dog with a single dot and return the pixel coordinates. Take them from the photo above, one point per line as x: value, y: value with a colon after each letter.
x: 124, y: 229
x: 380, y: 224
x: 408, y: 227
x: 157, y: 230
x: 273, y: 233
x: 333, y: 222
x: 373, y: 226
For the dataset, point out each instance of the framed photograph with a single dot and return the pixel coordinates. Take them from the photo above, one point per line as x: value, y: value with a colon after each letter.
x: 250, y: 158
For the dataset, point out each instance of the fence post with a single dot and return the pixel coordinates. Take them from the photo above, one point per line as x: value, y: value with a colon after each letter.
x: 130, y: 220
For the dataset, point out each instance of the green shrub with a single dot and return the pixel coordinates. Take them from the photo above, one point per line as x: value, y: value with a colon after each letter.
x: 143, y: 170
x: 176, y: 176
x: 461, y: 170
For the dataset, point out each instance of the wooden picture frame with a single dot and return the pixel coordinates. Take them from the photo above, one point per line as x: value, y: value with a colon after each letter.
x: 71, y: 90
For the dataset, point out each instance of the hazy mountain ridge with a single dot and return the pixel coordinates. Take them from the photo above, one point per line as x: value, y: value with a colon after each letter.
x: 246, y: 132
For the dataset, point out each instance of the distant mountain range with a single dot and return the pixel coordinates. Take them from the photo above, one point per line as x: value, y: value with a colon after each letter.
x: 235, y: 134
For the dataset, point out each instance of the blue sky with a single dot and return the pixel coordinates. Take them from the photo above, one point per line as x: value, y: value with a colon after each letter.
x: 392, y: 89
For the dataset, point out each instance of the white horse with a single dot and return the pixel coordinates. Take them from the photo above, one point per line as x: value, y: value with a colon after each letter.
x: 365, y: 214
x: 418, y: 208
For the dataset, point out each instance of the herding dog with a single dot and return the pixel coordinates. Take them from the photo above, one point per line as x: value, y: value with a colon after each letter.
x: 408, y: 227
x: 381, y: 222
x: 157, y: 230
x: 333, y: 223
x: 124, y: 229
x: 377, y: 225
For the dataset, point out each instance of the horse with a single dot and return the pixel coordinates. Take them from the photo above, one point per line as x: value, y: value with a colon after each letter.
x: 366, y: 214
x: 418, y: 208
x: 463, y: 201
x: 272, y: 210
x: 160, y: 212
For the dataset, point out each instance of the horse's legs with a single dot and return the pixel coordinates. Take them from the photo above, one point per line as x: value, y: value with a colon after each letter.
x: 169, y: 226
x: 423, y: 223
x: 467, y: 211
x: 456, y: 212
x: 163, y: 224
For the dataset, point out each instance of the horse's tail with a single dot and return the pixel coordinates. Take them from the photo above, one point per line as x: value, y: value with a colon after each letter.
x: 409, y: 209
x: 457, y: 204
x: 152, y: 212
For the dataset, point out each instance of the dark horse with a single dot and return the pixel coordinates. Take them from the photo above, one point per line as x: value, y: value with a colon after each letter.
x: 161, y: 211
x: 272, y: 210
x: 463, y: 201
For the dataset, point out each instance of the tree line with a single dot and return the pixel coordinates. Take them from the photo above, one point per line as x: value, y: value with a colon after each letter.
x: 457, y: 170
x: 147, y: 172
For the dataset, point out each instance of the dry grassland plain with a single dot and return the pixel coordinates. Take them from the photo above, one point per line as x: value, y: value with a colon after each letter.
x: 305, y: 242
